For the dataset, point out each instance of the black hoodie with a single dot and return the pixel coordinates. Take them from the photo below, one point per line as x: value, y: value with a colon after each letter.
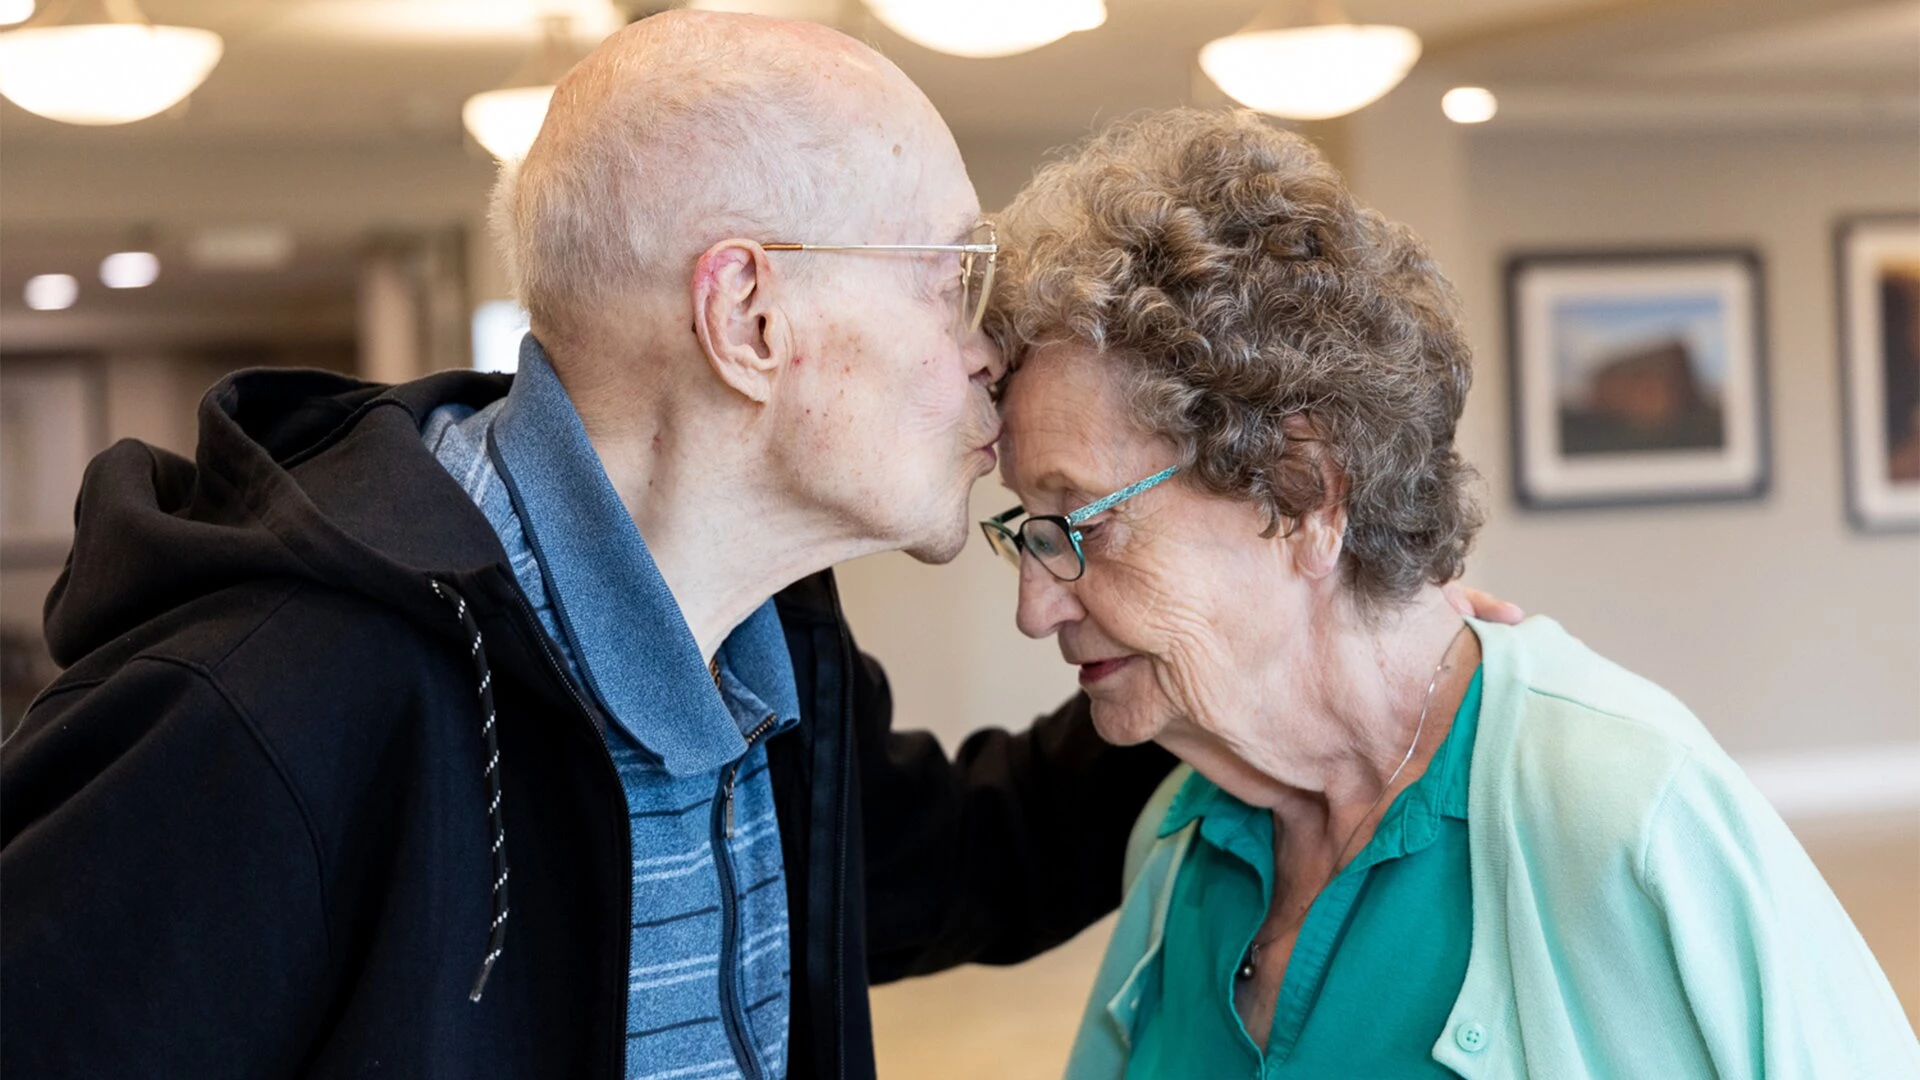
x: 246, y: 833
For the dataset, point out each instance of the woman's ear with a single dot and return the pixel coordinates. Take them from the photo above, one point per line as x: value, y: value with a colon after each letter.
x: 1317, y: 537
x: 743, y: 331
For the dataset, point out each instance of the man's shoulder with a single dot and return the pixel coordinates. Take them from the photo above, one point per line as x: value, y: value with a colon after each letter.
x: 266, y: 621
x: 310, y: 670
x: 325, y: 692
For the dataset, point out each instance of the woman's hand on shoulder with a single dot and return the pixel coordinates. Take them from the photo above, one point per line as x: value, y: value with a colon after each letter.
x: 1471, y: 601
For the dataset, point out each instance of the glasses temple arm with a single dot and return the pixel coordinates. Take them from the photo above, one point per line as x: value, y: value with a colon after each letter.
x: 1122, y: 495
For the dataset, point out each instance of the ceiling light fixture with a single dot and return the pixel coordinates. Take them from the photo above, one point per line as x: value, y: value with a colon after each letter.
x: 1309, y: 72
x: 129, y: 270
x: 51, y: 292
x: 241, y: 248
x: 114, y: 71
x: 985, y: 28
x: 507, y: 120
x: 1469, y: 104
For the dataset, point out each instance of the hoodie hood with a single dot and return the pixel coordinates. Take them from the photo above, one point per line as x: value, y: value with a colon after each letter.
x: 303, y: 474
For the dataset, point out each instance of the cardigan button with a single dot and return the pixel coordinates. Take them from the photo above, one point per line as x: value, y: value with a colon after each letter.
x: 1470, y: 1037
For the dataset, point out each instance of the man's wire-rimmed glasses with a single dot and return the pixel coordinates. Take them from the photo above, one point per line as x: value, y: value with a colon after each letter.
x: 1054, y: 539
x: 978, y: 257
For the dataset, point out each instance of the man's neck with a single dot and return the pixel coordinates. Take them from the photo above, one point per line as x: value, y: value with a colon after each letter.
x: 700, y: 491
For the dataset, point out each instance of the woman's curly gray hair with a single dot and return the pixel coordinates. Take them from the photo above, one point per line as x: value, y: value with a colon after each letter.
x: 1266, y: 323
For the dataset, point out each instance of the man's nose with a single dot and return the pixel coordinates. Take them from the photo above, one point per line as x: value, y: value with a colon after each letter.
x: 985, y: 362
x: 1046, y: 602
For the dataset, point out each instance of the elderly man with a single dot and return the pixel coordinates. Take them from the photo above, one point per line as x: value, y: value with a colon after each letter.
x: 449, y: 729
x: 452, y: 730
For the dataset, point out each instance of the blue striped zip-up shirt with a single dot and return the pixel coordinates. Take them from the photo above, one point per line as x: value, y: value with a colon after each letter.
x: 709, y: 973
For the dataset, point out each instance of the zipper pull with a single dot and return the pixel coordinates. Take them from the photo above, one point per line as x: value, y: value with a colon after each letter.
x: 734, y: 775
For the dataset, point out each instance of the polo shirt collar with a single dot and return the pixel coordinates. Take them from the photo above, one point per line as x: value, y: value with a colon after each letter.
x: 1410, y: 824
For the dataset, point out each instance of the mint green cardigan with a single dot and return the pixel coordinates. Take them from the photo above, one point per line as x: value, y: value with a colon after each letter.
x: 1638, y: 908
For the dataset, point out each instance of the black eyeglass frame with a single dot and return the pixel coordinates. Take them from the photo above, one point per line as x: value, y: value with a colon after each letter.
x: 1011, y: 543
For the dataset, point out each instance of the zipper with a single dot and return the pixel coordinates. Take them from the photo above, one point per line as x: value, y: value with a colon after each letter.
x: 722, y: 827
x: 732, y: 774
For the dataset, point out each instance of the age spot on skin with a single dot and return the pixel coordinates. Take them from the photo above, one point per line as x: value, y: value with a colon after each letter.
x: 896, y: 149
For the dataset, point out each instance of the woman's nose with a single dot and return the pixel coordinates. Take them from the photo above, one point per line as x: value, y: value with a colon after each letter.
x: 1046, y: 603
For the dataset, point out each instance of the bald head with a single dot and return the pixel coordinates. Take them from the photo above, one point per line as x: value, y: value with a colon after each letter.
x: 690, y: 127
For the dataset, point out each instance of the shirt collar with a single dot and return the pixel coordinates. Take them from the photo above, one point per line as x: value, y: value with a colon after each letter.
x: 1410, y: 824
x: 633, y: 646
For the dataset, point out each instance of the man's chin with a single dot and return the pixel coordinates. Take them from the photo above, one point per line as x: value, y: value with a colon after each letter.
x: 939, y: 552
x: 944, y: 545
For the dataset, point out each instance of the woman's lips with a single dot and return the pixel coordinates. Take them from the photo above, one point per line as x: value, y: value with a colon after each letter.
x: 1096, y: 670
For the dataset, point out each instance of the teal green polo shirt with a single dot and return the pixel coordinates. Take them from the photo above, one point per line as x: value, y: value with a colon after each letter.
x: 1380, y: 957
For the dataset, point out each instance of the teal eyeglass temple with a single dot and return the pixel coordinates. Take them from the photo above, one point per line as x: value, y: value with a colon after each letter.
x: 1034, y: 533
x: 1125, y: 493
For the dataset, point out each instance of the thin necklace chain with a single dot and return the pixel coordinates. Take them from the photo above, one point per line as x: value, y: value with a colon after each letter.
x: 1340, y: 856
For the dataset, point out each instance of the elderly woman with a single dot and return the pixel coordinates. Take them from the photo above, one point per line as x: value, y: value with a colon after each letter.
x: 1403, y: 844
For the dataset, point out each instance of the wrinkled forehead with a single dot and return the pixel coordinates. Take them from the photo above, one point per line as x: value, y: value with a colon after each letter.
x: 1065, y: 428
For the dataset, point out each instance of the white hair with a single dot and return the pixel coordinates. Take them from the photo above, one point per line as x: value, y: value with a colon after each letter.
x: 679, y: 131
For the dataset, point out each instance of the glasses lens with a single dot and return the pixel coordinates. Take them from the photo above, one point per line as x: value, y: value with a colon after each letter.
x: 976, y: 278
x: 1049, y: 543
x: 1002, y: 542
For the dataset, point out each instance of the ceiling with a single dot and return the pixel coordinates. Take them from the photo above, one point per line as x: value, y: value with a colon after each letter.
x: 367, y: 93
x: 330, y: 70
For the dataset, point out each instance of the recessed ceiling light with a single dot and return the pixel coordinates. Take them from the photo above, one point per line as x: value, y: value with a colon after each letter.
x: 51, y: 292
x: 1469, y: 105
x: 129, y: 270
x: 241, y: 247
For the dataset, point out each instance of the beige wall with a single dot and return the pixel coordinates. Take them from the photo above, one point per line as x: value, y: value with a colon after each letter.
x: 1774, y: 620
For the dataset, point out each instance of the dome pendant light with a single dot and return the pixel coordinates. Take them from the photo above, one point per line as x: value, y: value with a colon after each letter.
x: 987, y: 28
x: 507, y: 120
x: 1309, y: 71
x: 113, y: 71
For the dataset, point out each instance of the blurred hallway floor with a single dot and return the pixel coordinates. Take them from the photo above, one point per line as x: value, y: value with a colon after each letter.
x: 1017, y: 1023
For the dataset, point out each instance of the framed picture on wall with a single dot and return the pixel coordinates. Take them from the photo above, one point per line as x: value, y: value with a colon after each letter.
x: 1879, y: 316
x: 1637, y: 377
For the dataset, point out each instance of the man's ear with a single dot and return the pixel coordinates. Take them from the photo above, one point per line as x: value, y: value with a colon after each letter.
x: 743, y: 331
